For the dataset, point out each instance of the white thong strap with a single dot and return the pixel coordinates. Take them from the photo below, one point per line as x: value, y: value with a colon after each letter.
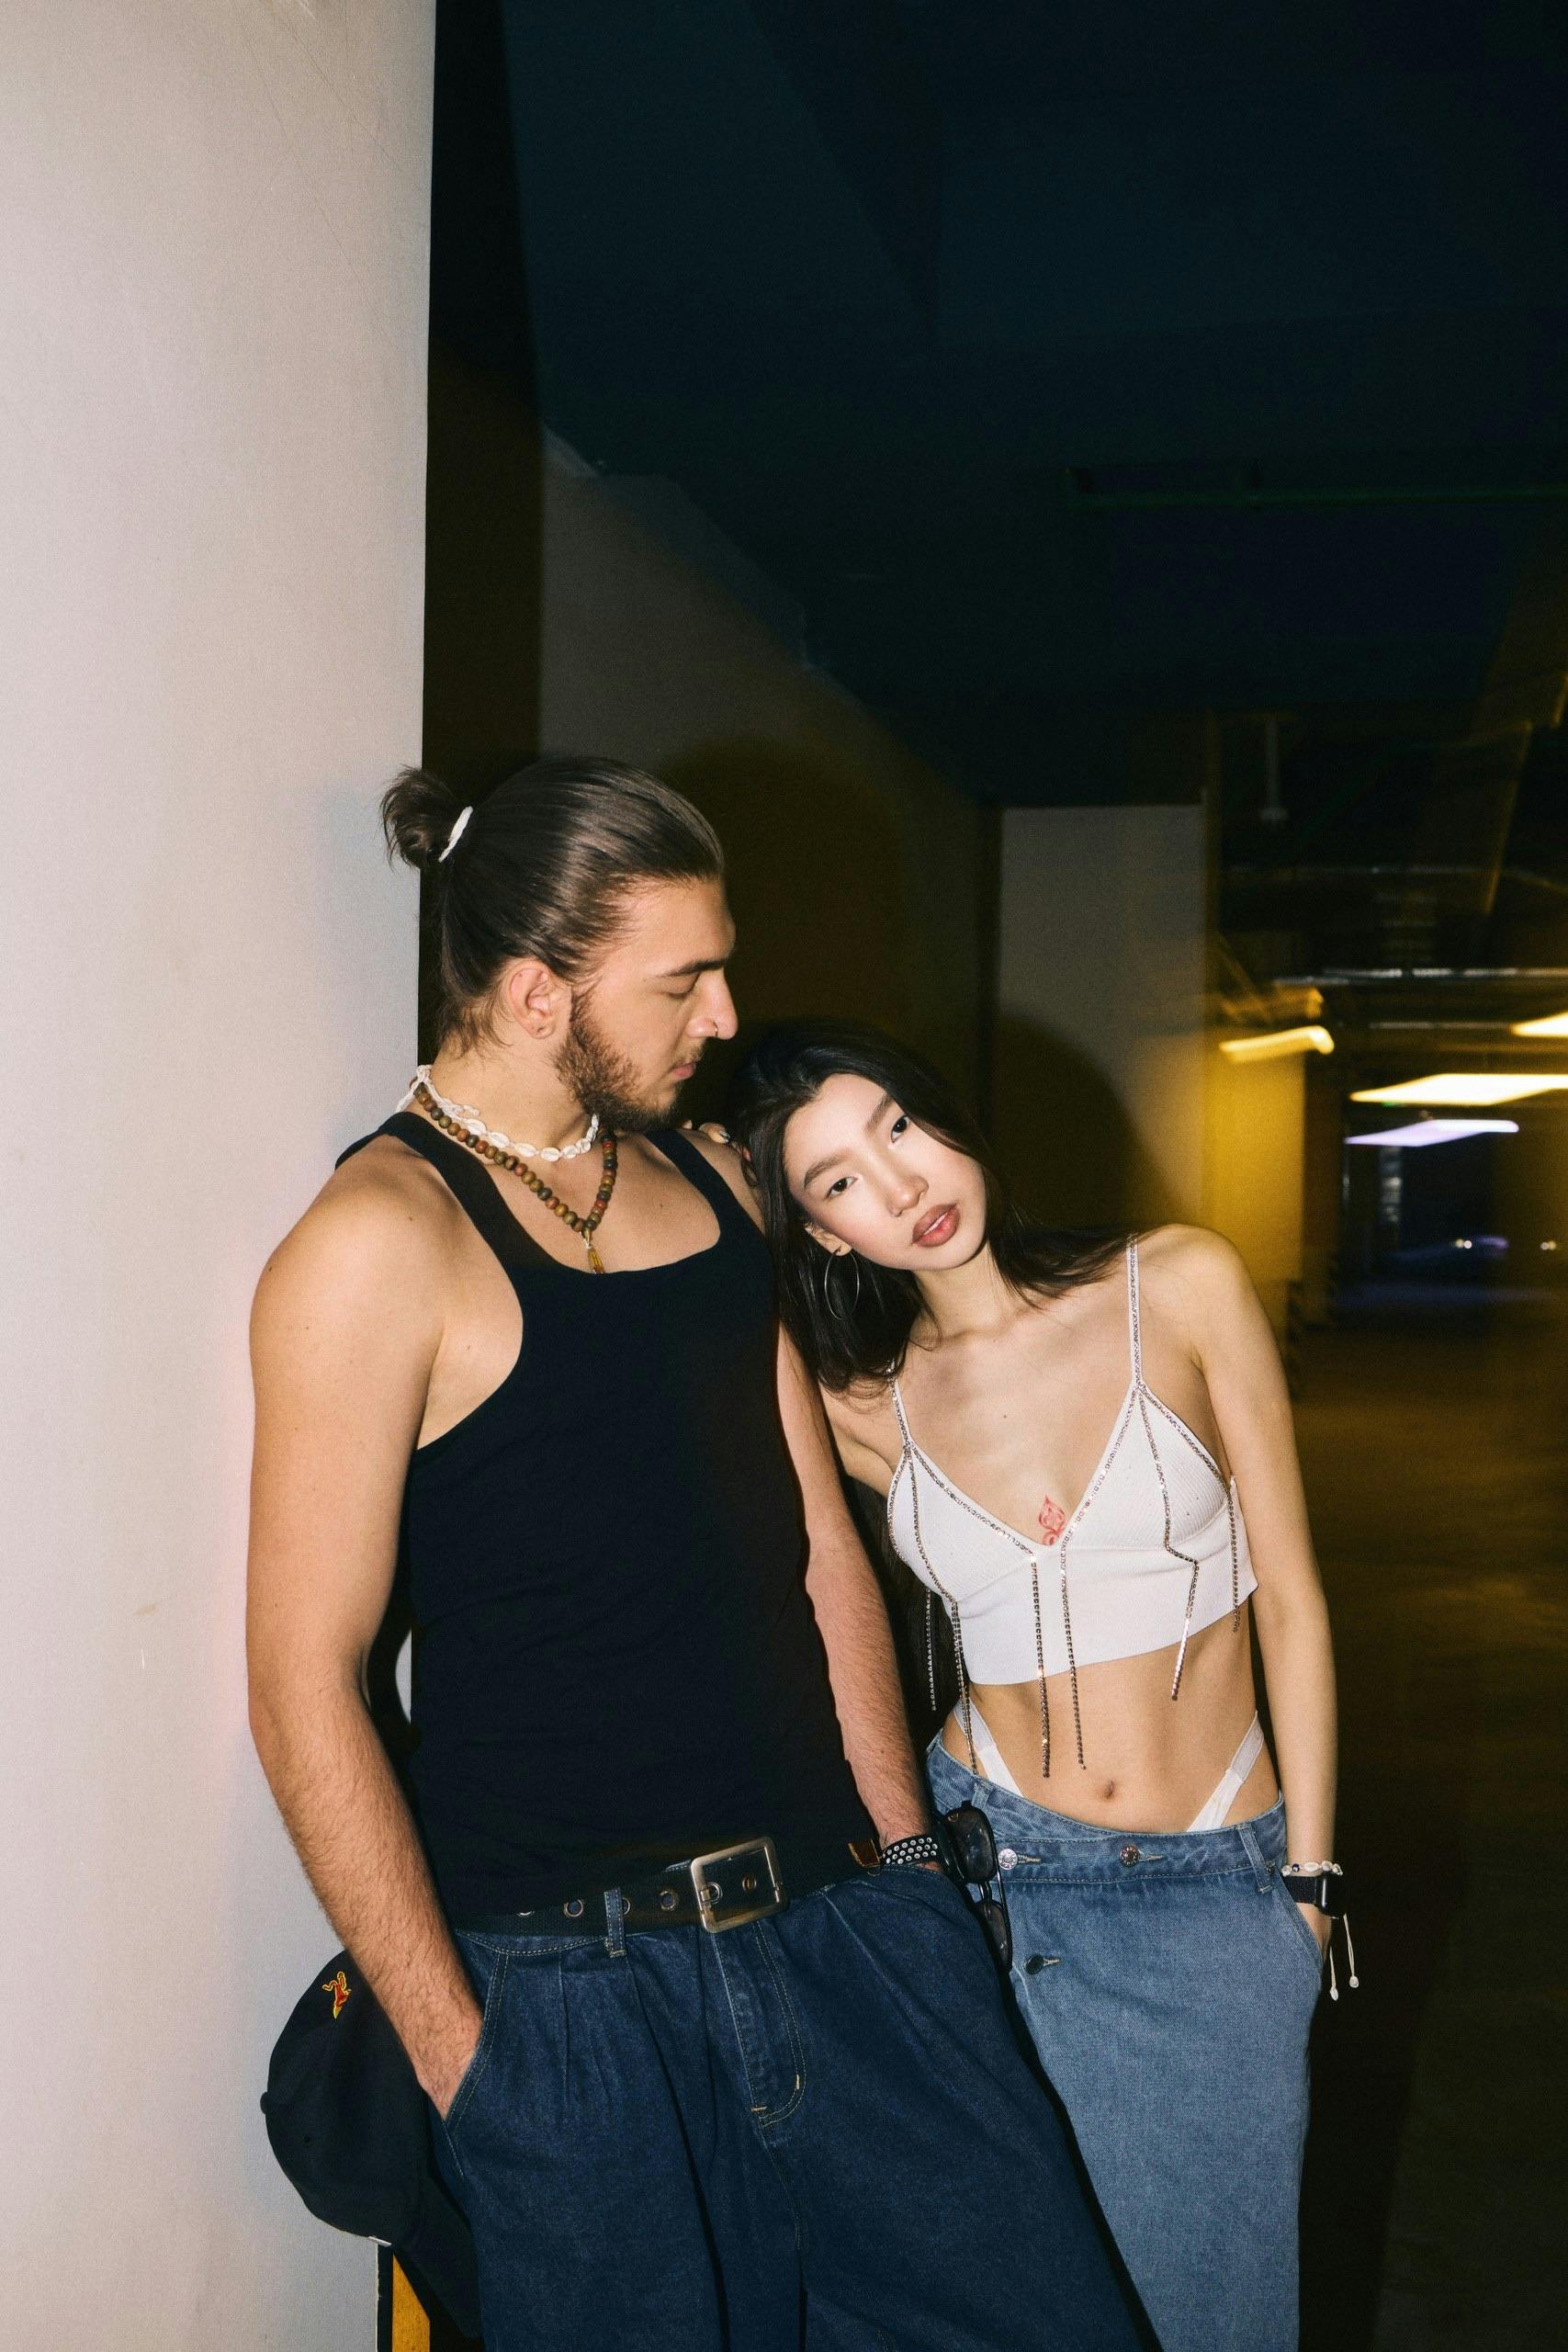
x: 987, y: 1754
x: 993, y: 1767
x: 1231, y: 1779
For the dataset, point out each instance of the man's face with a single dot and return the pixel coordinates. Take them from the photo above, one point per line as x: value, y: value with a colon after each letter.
x: 659, y: 998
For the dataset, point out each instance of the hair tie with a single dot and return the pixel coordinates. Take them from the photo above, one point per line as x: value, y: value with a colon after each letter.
x: 455, y: 836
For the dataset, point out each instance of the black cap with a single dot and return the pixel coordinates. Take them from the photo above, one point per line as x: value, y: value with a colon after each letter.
x: 350, y: 2127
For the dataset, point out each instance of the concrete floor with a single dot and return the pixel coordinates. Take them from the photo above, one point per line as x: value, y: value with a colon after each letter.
x: 1435, y: 1438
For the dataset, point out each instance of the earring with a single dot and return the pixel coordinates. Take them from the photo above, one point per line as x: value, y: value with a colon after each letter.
x: 829, y: 1303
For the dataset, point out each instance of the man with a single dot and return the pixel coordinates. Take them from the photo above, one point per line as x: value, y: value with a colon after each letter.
x: 707, y: 2075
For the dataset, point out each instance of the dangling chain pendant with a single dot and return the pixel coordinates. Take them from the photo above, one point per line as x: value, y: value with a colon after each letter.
x: 584, y: 1227
x: 930, y: 1645
x: 1040, y: 1660
x: 1072, y: 1657
x: 965, y: 1711
x: 933, y: 1584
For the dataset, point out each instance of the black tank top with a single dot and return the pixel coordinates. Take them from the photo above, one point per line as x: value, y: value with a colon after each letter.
x: 616, y: 1665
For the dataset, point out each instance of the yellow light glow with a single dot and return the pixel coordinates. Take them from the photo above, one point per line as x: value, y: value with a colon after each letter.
x: 1472, y: 1087
x: 1554, y: 1024
x: 1269, y: 1045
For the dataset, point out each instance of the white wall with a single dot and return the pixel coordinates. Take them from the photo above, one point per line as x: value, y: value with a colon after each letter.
x: 215, y: 226
x: 1099, y: 1055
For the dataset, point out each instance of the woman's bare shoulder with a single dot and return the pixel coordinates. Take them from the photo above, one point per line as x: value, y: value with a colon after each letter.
x: 1195, y: 1273
x: 862, y: 1405
x: 1195, y: 1251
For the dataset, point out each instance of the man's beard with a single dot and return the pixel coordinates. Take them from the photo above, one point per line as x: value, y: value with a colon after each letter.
x: 604, y: 1080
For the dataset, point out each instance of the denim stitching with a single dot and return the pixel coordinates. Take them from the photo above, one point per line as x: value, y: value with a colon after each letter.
x: 520, y: 1947
x: 761, y: 2115
x: 740, y: 2036
x: 480, y: 2059
x: 791, y: 2024
x: 1126, y: 1882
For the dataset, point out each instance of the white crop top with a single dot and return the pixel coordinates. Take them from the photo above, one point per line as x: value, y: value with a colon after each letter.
x: 1155, y: 1552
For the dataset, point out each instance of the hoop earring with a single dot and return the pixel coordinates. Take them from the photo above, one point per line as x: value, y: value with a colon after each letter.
x: 831, y: 1305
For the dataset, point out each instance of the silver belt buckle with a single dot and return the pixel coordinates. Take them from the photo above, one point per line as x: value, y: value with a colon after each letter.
x: 759, y: 1887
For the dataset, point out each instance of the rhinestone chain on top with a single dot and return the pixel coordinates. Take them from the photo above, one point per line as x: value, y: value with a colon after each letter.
x: 1147, y: 1398
x: 935, y: 1584
x: 1141, y: 1397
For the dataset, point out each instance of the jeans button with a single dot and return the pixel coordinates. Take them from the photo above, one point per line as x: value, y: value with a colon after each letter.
x: 1005, y: 1858
x: 1130, y: 1854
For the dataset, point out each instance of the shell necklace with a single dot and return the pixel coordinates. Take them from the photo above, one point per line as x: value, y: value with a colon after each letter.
x: 464, y: 1115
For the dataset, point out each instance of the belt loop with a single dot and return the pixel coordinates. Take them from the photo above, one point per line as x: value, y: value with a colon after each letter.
x: 615, y: 1923
x: 1261, y: 1871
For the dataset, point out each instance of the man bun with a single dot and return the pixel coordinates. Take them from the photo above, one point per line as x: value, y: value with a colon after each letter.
x: 543, y: 872
x: 418, y: 812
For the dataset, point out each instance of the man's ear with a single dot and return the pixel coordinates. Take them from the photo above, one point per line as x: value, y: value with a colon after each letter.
x: 539, y: 1002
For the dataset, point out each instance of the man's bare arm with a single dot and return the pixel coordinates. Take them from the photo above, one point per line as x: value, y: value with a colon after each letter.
x: 343, y: 1333
x: 851, y: 1614
x: 853, y: 1619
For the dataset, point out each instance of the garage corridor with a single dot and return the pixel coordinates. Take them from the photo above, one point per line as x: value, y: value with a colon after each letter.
x: 1434, y: 1442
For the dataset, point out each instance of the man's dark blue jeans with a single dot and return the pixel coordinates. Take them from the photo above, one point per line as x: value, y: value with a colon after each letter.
x: 818, y: 2128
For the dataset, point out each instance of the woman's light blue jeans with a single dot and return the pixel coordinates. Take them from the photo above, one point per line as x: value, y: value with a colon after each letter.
x: 1168, y: 1983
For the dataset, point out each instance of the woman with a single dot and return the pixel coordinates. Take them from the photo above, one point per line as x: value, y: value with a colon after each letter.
x: 1085, y: 1445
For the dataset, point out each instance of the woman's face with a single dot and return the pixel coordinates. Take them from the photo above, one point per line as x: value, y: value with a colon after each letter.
x: 866, y: 1175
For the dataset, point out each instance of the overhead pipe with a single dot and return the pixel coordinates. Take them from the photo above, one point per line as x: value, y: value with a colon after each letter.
x: 1080, y: 492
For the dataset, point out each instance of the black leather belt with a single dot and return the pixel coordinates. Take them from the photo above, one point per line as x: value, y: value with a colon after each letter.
x: 723, y: 1888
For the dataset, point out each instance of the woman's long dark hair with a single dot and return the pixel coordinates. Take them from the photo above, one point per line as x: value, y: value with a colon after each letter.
x: 850, y: 1319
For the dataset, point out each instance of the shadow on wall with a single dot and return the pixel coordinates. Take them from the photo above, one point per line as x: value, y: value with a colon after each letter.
x: 1067, y: 1146
x: 484, y: 497
x: 815, y: 868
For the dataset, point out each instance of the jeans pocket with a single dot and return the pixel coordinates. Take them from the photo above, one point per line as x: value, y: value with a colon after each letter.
x: 1302, y: 1936
x: 931, y: 1892
x: 918, y: 1879
x: 478, y: 1956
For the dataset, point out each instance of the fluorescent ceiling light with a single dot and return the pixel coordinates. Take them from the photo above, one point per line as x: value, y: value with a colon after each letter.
x: 1270, y: 1044
x: 1424, y: 1131
x: 1474, y: 1086
x: 1555, y: 1024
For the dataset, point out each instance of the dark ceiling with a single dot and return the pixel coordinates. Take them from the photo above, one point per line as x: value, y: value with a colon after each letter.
x: 1069, y: 364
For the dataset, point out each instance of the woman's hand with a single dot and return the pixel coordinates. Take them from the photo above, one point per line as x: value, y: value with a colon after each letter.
x: 715, y: 1134
x: 1319, y: 1922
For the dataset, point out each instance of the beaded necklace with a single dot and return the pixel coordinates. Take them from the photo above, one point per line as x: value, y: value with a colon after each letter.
x: 422, y: 1088
x: 586, y: 1226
